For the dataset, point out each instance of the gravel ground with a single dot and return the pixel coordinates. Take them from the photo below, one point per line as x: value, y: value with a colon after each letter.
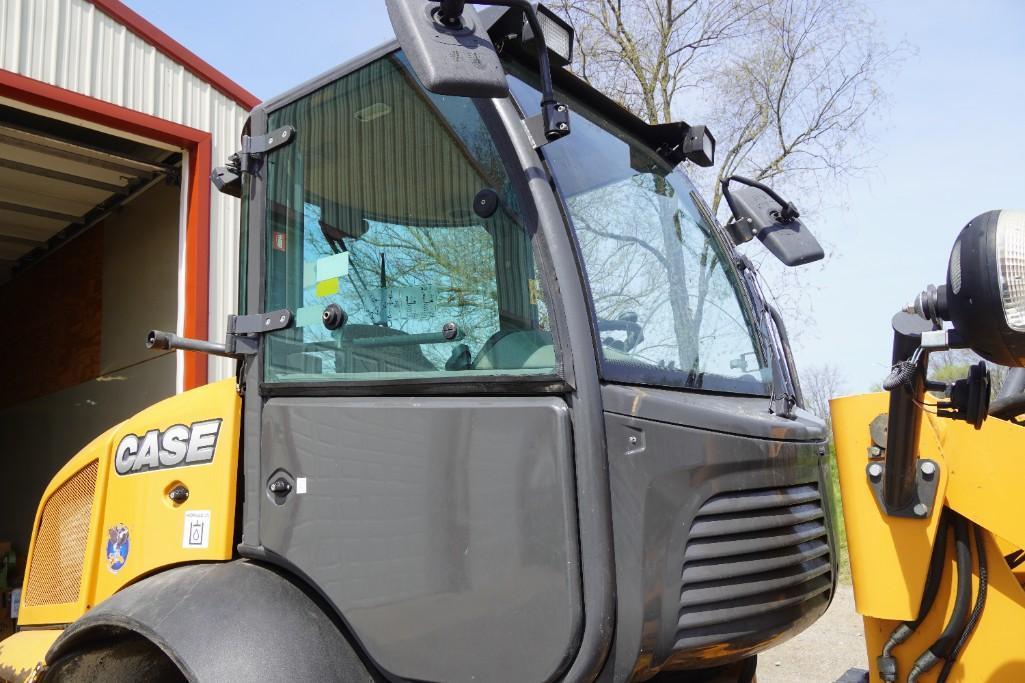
x: 822, y: 653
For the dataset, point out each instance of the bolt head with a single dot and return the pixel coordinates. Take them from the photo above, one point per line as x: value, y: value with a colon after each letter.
x: 875, y: 471
x: 920, y: 510
x: 928, y: 469
x: 876, y: 451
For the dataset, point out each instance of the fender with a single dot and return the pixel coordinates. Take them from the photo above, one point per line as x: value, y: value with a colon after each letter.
x: 224, y: 621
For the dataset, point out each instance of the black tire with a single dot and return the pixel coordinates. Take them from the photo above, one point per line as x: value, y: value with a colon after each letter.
x: 125, y: 660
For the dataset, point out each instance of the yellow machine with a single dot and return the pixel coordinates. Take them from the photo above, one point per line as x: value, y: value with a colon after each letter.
x: 931, y: 489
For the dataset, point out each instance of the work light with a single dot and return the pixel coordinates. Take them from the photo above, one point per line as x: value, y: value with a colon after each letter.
x: 986, y: 286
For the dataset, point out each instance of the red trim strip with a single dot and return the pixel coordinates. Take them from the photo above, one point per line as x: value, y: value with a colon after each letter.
x: 176, y: 51
x: 197, y: 226
x: 197, y: 262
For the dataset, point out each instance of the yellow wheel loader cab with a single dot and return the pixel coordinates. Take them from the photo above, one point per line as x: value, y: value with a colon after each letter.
x: 482, y: 427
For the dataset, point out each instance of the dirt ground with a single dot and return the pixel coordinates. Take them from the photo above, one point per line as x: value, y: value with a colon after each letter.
x: 821, y: 654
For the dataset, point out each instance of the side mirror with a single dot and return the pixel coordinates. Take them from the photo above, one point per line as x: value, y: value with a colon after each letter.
x: 450, y: 55
x: 759, y: 212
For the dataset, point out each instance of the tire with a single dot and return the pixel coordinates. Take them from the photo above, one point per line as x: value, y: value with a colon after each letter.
x: 126, y: 660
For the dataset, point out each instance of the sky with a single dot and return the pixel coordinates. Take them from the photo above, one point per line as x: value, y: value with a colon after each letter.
x: 949, y: 144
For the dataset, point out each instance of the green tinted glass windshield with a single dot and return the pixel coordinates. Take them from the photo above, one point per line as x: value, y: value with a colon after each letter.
x: 669, y: 306
x: 371, y: 209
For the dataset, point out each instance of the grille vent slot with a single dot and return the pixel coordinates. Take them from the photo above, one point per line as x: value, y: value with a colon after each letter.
x: 755, y: 562
x: 55, y: 570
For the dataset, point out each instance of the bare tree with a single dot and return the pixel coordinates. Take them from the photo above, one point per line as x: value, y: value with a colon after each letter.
x: 786, y: 83
x: 822, y: 383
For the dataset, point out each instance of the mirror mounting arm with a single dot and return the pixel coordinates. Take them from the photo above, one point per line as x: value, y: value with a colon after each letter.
x: 554, y: 114
x: 788, y: 213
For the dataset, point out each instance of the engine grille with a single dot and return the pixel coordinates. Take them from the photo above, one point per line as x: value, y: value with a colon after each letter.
x: 754, y: 563
x: 55, y: 570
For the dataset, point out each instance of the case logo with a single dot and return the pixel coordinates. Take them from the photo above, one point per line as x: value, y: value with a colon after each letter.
x: 176, y: 446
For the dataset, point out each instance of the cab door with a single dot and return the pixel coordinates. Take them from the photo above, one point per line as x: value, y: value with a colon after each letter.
x: 410, y: 455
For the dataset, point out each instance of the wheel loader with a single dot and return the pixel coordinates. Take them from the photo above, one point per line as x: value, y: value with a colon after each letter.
x: 509, y: 404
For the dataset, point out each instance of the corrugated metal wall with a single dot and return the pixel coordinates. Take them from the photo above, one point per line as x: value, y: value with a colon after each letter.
x: 73, y: 45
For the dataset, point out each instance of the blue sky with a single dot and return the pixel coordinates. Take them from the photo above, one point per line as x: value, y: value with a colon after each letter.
x: 949, y: 144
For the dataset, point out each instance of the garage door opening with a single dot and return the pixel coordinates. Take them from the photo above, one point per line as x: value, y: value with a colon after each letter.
x: 89, y: 261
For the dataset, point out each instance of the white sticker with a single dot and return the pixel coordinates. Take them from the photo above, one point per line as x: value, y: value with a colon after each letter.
x: 309, y: 315
x: 196, y: 533
x: 333, y: 266
x: 300, y: 485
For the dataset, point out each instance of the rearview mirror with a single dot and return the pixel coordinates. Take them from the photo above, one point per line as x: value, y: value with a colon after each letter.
x: 450, y: 57
x: 759, y: 212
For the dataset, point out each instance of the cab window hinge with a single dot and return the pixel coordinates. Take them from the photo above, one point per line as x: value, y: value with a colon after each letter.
x: 255, y: 146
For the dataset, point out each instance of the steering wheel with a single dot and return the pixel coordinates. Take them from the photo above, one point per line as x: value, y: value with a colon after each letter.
x: 626, y: 323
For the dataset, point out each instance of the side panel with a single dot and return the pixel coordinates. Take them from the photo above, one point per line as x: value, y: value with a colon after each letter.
x: 723, y: 541
x: 99, y: 529
x: 162, y: 531
x: 442, y: 529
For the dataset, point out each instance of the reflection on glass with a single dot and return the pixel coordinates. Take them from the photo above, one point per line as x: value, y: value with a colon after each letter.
x: 667, y: 301
x: 370, y: 208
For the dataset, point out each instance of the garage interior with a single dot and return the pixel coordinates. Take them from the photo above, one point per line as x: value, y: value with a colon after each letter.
x: 89, y: 262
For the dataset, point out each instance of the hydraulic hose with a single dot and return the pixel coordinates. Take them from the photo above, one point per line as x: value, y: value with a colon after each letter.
x: 945, y: 643
x: 980, y: 604
x: 886, y: 663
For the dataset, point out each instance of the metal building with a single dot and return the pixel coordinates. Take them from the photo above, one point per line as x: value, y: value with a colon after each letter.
x: 108, y: 227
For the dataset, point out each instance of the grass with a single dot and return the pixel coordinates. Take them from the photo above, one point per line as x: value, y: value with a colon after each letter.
x: 843, y: 560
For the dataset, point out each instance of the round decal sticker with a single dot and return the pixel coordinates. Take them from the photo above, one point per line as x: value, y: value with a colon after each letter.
x: 117, y: 547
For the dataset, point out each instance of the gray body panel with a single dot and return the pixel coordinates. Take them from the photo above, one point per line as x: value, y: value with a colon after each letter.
x: 663, y: 477
x: 443, y: 530
x: 233, y: 621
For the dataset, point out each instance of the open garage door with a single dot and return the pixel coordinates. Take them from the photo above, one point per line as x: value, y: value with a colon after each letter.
x: 89, y: 261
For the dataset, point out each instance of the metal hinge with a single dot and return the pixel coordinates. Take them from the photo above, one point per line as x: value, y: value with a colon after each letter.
x: 244, y: 330
x: 255, y: 146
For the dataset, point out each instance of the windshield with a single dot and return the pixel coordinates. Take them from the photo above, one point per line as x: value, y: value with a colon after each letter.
x: 668, y: 304
x: 370, y: 209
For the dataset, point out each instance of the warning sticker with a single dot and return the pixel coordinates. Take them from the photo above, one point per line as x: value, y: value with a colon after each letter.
x: 196, y: 532
x: 406, y: 302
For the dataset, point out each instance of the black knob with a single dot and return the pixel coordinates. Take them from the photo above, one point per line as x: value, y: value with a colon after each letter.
x: 485, y: 203
x: 334, y: 317
x: 450, y: 331
x: 179, y: 494
x: 280, y: 487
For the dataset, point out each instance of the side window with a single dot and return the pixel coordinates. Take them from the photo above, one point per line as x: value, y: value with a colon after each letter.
x: 371, y: 213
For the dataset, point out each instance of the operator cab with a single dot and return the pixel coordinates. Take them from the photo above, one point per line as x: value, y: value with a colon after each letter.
x: 517, y: 382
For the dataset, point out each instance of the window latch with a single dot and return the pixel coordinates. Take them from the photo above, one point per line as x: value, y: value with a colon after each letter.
x: 243, y: 337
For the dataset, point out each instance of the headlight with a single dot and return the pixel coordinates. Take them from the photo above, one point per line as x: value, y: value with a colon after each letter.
x: 1010, y: 255
x: 986, y: 286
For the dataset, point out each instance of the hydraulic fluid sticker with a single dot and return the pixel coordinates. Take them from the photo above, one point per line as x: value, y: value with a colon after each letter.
x: 309, y: 274
x: 333, y: 266
x: 196, y: 531
x: 405, y: 302
x: 279, y: 241
x: 118, y: 545
x: 327, y: 287
x: 308, y: 316
x: 176, y: 446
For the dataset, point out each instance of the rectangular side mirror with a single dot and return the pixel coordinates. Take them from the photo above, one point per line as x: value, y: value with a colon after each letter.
x: 757, y: 214
x: 449, y: 60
